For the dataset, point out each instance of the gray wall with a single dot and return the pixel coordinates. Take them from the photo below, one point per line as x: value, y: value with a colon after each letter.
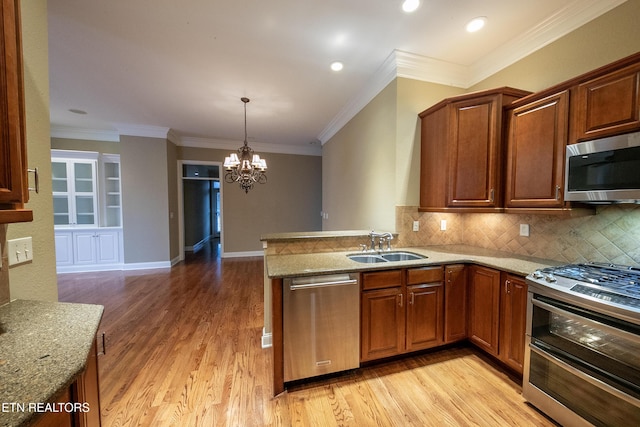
x: 289, y: 201
x: 145, y: 199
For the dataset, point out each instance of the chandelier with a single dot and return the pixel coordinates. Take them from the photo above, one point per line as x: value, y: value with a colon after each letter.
x: 245, y: 167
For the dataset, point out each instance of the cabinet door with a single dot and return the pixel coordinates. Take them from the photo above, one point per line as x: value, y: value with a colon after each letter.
x: 455, y: 306
x: 13, y: 153
x: 513, y: 322
x: 107, y: 247
x: 474, y: 156
x: 383, y: 321
x: 484, y: 308
x: 74, y: 192
x: 537, y: 136
x: 434, y: 166
x: 84, y: 247
x: 424, y: 316
x: 607, y: 105
x: 64, y: 248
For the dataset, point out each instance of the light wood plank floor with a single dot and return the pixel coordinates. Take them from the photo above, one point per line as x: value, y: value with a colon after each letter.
x: 183, y: 349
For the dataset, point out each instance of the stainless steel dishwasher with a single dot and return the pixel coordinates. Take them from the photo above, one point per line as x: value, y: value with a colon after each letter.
x: 321, y: 330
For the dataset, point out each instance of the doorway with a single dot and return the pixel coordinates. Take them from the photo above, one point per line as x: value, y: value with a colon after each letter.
x: 200, y: 207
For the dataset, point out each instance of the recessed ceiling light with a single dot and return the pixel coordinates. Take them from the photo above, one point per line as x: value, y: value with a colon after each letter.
x: 77, y: 111
x: 476, y: 24
x: 410, y: 5
x: 337, y: 66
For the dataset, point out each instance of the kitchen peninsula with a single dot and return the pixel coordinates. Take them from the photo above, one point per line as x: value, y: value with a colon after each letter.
x: 290, y: 255
x: 47, y: 357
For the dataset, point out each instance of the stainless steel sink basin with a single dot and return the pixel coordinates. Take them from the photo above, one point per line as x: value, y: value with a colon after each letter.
x: 366, y: 258
x: 401, y: 256
x: 385, y: 257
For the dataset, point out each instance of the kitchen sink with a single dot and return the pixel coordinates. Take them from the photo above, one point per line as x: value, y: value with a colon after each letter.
x: 385, y: 257
x: 366, y: 258
x: 401, y: 256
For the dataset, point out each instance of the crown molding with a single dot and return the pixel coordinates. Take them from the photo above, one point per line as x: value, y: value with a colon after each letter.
x: 142, y: 130
x: 86, y: 134
x: 563, y: 22
x: 262, y: 147
x: 417, y: 67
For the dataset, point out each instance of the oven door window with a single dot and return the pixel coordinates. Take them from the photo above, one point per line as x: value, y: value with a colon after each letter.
x: 609, y: 347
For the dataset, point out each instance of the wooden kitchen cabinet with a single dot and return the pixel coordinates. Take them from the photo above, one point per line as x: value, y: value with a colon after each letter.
x: 484, y: 308
x: 513, y: 321
x: 14, y: 191
x: 455, y: 303
x: 425, y: 306
x: 383, y: 323
x: 537, y: 134
x: 402, y: 311
x: 461, y: 152
x: 86, y: 390
x: 607, y: 103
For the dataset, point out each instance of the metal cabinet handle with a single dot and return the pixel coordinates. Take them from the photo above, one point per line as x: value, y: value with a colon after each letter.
x: 413, y: 298
x: 401, y: 300
x: 557, y: 192
x: 36, y: 177
x: 104, y: 345
x: 507, y: 286
x: 491, y: 195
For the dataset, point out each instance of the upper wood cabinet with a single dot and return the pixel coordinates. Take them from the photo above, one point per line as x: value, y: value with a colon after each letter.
x: 462, y: 150
x: 536, y: 138
x: 607, y: 105
x: 13, y: 156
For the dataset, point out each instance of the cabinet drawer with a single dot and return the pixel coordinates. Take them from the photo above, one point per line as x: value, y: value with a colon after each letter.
x: 416, y: 276
x: 381, y: 279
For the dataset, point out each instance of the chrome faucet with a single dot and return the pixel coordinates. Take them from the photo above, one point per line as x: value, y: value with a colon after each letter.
x: 382, y: 238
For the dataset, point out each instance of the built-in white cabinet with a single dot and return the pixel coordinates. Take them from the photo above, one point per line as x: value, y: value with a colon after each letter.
x: 88, y: 249
x: 87, y: 209
x: 75, y: 201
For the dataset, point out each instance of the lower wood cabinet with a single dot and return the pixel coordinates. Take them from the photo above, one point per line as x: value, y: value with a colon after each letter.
x: 497, y: 314
x: 513, y: 321
x: 455, y: 303
x: 484, y: 308
x: 406, y: 310
x: 402, y: 311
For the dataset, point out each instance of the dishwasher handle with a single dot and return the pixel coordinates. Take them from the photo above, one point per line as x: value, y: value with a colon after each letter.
x: 323, y: 284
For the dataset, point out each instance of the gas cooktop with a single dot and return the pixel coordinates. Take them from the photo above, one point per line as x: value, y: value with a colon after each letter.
x: 608, y: 283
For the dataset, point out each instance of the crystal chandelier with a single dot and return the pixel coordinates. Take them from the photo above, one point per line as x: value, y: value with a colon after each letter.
x: 245, y: 167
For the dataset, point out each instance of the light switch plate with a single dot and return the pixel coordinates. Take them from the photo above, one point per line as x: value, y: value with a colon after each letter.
x: 416, y: 225
x: 20, y: 250
x: 443, y: 225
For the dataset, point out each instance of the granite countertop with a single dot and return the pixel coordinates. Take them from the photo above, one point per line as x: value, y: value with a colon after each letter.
x: 282, y: 266
x: 43, y: 348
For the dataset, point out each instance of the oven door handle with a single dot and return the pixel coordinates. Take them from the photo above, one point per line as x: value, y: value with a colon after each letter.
x: 583, y: 376
x: 602, y: 326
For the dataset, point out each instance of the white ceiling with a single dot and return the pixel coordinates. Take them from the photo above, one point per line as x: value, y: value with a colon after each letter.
x: 142, y: 67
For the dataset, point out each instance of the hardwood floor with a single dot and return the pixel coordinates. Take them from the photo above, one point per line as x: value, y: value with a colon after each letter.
x: 183, y: 349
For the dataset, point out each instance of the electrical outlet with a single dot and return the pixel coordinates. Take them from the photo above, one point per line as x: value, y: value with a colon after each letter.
x: 20, y: 250
x: 524, y: 230
x: 416, y: 225
x: 443, y: 225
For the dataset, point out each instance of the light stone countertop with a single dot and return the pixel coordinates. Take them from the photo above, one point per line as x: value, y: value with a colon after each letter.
x: 43, y: 348
x: 283, y: 266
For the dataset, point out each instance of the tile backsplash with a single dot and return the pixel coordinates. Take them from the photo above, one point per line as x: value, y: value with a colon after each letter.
x: 611, y: 235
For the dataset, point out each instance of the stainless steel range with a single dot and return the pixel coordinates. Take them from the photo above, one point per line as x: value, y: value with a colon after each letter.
x: 582, y: 361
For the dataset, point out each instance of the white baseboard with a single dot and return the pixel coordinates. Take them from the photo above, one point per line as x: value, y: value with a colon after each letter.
x: 147, y: 265
x: 267, y: 339
x: 88, y: 268
x: 242, y: 254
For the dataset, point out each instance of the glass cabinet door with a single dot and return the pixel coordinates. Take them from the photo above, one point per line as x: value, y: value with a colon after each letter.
x: 112, y: 194
x: 74, y: 192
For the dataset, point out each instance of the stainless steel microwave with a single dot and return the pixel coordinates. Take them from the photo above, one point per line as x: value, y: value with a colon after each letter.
x: 604, y: 170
